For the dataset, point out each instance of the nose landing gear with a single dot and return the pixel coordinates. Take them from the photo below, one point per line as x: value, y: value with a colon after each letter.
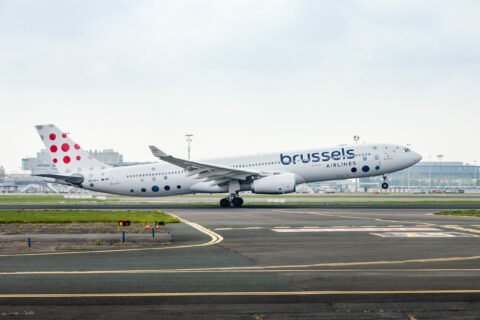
x: 384, y: 184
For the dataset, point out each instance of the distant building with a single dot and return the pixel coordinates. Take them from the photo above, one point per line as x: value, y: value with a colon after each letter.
x: 437, y: 175
x: 41, y: 164
x: 108, y: 156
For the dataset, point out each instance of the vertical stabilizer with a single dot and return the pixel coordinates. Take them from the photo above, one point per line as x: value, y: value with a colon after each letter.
x: 68, y: 156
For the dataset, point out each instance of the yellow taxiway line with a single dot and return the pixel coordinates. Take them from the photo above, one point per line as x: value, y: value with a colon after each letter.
x: 215, y: 238
x: 220, y: 270
x: 284, y: 268
x: 245, y: 293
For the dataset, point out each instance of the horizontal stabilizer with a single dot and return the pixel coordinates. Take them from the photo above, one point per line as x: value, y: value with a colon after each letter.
x: 70, y: 180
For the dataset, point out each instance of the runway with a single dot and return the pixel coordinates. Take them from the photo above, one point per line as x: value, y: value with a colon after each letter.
x: 271, y: 262
x: 187, y: 206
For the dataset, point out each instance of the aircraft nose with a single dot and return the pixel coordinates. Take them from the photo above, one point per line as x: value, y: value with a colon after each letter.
x: 417, y: 157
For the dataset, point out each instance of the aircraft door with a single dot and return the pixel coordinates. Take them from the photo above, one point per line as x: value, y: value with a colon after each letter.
x: 387, y: 153
x: 113, y: 177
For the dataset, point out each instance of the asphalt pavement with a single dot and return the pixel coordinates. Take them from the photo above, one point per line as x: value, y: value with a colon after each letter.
x: 269, y: 262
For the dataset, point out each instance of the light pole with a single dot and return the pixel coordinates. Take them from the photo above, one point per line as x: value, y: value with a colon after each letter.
x: 356, y: 138
x: 189, y: 140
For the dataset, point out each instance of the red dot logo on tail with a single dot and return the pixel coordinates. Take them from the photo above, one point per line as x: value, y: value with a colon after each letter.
x: 52, y: 136
x: 55, y: 160
x: 65, y: 147
x: 66, y: 159
x: 64, y: 135
x: 53, y: 148
x: 76, y: 146
x: 78, y: 158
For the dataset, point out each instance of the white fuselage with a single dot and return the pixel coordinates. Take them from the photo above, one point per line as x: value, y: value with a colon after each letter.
x: 342, y: 162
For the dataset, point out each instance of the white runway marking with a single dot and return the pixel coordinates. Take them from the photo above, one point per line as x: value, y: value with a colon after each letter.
x: 423, y: 234
x: 354, y: 229
x: 244, y: 228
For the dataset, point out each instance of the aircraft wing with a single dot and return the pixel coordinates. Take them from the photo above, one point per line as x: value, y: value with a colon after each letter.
x: 209, y: 172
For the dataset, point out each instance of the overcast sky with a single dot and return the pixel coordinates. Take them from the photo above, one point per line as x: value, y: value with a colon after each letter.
x: 242, y: 76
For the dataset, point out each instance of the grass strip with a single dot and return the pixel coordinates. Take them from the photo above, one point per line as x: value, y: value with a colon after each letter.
x: 69, y: 216
x: 470, y: 213
x: 7, y: 199
x: 293, y: 202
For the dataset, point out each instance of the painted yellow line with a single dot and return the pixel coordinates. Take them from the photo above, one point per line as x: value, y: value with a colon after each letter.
x: 174, y: 271
x: 378, y: 235
x: 364, y: 263
x: 241, y: 293
x: 264, y: 268
x: 463, y: 229
x: 215, y: 238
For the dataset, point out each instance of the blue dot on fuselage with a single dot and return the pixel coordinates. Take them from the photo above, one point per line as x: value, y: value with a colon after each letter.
x: 166, y: 188
x: 354, y: 169
x: 365, y: 168
x: 377, y: 168
x: 155, y: 188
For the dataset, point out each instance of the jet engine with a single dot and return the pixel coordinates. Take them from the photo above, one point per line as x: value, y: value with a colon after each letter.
x: 276, y: 184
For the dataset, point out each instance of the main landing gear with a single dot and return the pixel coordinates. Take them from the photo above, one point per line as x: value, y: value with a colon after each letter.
x: 234, y: 200
x: 384, y: 184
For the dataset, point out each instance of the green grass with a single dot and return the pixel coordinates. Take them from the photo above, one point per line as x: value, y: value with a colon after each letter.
x: 354, y: 203
x: 9, y: 199
x: 374, y: 203
x: 344, y: 199
x: 69, y: 216
x: 470, y: 213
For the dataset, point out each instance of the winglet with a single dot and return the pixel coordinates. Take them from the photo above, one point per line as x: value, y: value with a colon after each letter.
x: 157, y: 152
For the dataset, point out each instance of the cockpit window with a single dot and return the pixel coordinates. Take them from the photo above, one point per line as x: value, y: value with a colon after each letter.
x: 406, y: 149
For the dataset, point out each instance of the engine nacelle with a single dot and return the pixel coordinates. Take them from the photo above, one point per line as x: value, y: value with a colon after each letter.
x: 276, y: 184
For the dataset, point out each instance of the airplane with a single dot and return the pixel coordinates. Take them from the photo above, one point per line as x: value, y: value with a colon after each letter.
x: 272, y: 173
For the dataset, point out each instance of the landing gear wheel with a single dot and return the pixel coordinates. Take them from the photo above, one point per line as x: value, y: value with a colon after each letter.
x: 237, y: 202
x: 224, y: 203
x: 384, y: 185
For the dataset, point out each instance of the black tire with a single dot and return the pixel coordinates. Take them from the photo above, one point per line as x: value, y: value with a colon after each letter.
x: 224, y: 203
x: 384, y: 185
x: 237, y: 202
